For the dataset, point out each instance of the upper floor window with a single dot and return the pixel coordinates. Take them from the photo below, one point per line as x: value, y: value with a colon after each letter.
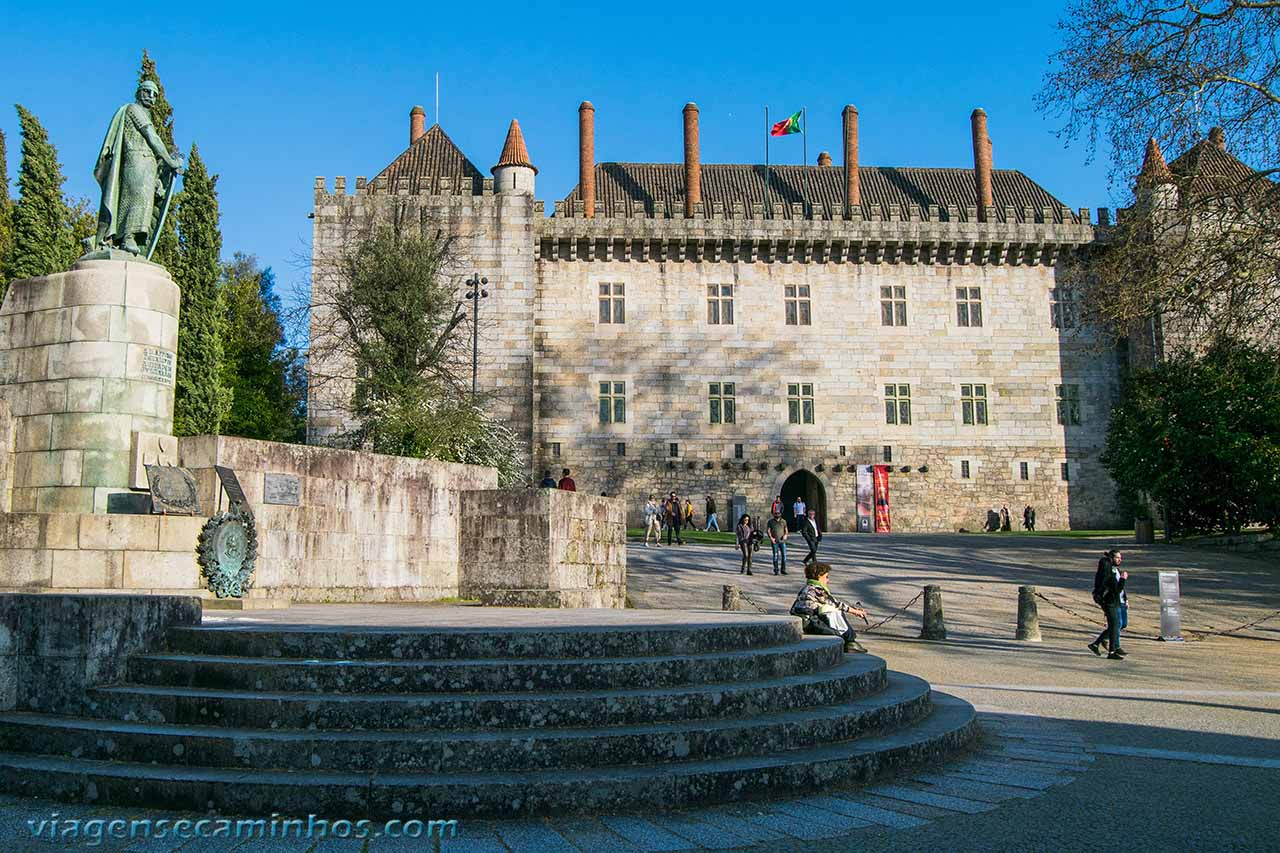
x: 1068, y: 400
x: 897, y: 404
x: 613, y: 402
x: 796, y: 299
x: 969, y: 306
x: 800, y: 403
x: 1063, y: 308
x: 893, y: 306
x: 723, y: 402
x: 973, y: 404
x: 612, y: 302
x: 720, y: 304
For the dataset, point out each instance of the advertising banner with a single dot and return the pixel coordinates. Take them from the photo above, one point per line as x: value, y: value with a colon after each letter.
x: 866, y: 499
x: 880, y: 480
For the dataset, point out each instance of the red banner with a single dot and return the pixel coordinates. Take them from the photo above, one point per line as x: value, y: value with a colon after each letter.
x: 880, y: 479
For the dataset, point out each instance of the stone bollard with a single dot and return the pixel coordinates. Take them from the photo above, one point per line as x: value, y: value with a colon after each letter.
x: 934, y: 628
x: 732, y: 598
x: 1028, y: 615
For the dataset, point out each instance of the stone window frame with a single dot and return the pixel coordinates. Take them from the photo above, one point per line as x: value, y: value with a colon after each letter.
x: 975, y: 404
x: 897, y: 403
x: 722, y: 403
x: 798, y: 413
x: 555, y: 450
x: 1067, y: 407
x: 969, y: 306
x: 886, y: 453
x: 1024, y: 471
x: 611, y: 401
x: 673, y: 449
x: 965, y: 470
x: 720, y: 304
x: 1064, y: 308
x: 611, y: 300
x: 739, y: 451
x: 893, y: 305
x: 797, y: 302
x: 620, y: 449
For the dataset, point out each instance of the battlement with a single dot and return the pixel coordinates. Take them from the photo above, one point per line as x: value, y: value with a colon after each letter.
x: 439, y: 186
x: 914, y: 235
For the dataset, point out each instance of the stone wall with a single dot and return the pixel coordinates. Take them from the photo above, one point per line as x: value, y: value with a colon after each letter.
x: 667, y: 354
x: 54, y: 647
x: 86, y: 358
x: 543, y: 548
x: 6, y: 455
x: 493, y: 235
x: 366, y: 527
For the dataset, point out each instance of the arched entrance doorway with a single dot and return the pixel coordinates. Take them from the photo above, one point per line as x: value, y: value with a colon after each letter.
x: 804, y: 484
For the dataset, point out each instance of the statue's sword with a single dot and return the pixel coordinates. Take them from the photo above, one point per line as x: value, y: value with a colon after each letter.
x: 164, y: 212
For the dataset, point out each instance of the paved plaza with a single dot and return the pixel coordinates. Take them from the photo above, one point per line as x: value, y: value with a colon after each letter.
x: 1175, y: 748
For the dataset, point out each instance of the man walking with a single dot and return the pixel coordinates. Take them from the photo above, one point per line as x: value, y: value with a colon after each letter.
x: 777, y: 528
x: 651, y: 513
x: 1108, y: 593
x: 566, y: 482
x: 674, y: 518
x: 1004, y: 520
x: 812, y: 535
x: 712, y: 521
x: 797, y: 512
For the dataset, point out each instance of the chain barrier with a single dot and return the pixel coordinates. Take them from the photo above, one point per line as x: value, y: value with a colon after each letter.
x: 749, y: 600
x: 1199, y: 634
x: 903, y: 609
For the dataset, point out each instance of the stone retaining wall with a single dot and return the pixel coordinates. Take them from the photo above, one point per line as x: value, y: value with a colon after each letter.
x: 543, y: 548
x: 54, y: 647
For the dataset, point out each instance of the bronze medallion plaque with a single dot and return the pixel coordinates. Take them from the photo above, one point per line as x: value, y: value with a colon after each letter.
x: 173, y: 490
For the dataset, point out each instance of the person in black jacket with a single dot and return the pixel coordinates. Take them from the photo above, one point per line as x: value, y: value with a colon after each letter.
x: 812, y: 535
x: 1108, y: 587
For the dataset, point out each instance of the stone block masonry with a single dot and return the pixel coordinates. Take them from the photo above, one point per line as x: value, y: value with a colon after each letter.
x: 54, y: 647
x: 87, y: 357
x: 543, y: 548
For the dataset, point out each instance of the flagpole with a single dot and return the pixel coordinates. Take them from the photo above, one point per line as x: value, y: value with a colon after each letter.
x: 804, y: 157
x: 766, y: 162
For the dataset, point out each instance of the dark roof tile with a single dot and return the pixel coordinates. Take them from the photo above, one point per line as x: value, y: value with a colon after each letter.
x: 432, y: 157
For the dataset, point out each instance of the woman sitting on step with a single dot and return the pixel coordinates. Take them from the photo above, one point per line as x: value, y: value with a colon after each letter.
x: 822, y: 612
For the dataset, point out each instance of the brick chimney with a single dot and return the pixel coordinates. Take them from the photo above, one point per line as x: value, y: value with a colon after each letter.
x: 587, y: 157
x: 981, y: 162
x: 853, y: 186
x: 692, y: 168
x: 824, y: 159
x: 417, y: 124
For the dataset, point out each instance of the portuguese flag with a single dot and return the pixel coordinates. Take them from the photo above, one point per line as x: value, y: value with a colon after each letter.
x: 787, y: 126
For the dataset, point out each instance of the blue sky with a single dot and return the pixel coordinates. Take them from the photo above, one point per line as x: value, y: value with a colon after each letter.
x: 278, y: 93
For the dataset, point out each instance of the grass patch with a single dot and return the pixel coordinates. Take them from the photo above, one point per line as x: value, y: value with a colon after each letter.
x: 697, y: 536
x: 1071, y: 534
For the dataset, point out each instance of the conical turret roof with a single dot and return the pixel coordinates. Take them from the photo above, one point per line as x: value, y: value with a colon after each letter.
x: 1154, y: 168
x: 513, y: 151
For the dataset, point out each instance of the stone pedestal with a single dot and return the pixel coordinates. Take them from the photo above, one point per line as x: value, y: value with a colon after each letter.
x: 87, y: 358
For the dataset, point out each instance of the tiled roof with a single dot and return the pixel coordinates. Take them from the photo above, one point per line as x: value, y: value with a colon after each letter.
x: 1208, y: 168
x: 513, y: 151
x: 648, y: 183
x: 433, y: 156
x: 1154, y: 169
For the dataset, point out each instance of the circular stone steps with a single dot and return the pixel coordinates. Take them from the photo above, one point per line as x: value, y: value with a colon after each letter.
x: 524, y: 719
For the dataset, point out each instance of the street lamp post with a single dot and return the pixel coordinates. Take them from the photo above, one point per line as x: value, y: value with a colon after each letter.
x: 475, y: 294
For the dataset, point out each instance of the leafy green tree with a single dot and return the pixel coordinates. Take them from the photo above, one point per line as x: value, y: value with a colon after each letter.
x: 202, y: 400
x: 162, y: 117
x: 389, y: 308
x: 6, y: 215
x: 44, y: 239
x: 1201, y: 435
x: 262, y: 372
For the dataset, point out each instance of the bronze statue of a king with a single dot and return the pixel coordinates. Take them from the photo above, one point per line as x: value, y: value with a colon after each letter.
x: 137, y: 176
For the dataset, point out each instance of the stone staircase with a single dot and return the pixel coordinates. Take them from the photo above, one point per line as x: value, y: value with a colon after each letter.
x: 477, y: 722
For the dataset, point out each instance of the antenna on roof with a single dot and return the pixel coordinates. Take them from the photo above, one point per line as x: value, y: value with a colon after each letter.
x: 437, y: 97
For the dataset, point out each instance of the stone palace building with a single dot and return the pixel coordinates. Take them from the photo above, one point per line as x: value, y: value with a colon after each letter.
x: 716, y: 329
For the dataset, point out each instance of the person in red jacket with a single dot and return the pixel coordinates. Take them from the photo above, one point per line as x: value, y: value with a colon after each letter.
x: 566, y: 482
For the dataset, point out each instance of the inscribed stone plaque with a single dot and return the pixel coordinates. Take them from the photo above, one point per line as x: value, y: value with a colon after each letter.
x: 173, y: 490
x: 157, y: 365
x: 281, y: 489
x: 231, y: 485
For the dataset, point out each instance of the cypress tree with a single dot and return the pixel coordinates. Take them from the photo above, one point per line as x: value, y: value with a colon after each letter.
x: 6, y: 217
x: 202, y: 400
x: 162, y: 117
x: 43, y: 240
